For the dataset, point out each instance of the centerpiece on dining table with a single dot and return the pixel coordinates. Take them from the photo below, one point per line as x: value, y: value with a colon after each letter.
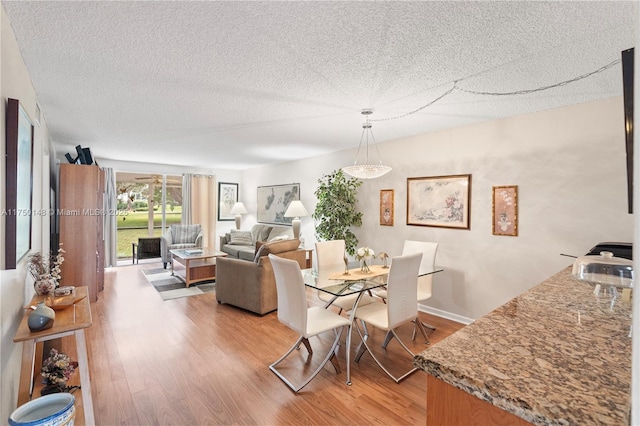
x: 365, y: 256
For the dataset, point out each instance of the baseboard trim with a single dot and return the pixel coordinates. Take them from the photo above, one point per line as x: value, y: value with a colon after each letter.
x: 446, y: 315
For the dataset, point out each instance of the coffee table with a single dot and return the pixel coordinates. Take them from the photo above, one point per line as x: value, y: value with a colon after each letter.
x: 199, y: 264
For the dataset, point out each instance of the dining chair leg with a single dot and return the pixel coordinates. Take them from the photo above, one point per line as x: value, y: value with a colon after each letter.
x: 329, y: 356
x: 420, y: 326
x: 307, y: 345
x: 387, y: 339
x: 368, y: 349
x: 361, y: 348
x: 429, y: 326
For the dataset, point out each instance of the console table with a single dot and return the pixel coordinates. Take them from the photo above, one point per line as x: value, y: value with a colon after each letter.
x: 70, y: 321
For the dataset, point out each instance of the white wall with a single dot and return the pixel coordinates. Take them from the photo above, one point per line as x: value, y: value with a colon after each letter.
x: 568, y: 163
x: 14, y: 293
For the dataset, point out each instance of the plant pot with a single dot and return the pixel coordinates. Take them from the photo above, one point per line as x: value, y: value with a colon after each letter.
x: 55, y: 409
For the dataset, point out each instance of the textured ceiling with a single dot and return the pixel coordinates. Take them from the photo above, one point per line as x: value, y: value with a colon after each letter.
x: 237, y: 85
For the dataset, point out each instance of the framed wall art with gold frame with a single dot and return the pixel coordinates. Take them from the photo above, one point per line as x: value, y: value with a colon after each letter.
x: 440, y: 201
x: 505, y: 210
x: 386, y: 207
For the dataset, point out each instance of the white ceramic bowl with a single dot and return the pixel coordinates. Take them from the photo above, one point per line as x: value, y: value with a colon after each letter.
x: 56, y: 409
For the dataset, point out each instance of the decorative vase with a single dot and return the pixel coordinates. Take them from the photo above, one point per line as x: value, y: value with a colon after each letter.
x: 364, y: 267
x: 44, y: 286
x: 42, y: 318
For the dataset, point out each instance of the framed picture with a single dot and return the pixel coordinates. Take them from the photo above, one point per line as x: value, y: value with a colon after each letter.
x: 505, y: 210
x: 227, y: 197
x: 19, y: 185
x: 386, y: 207
x: 441, y: 201
x: 274, y: 200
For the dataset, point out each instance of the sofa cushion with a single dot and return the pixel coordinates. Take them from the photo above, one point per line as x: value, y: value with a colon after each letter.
x: 246, y: 253
x: 240, y: 238
x: 260, y: 232
x: 280, y: 233
x: 276, y: 247
x: 184, y: 234
x: 231, y: 250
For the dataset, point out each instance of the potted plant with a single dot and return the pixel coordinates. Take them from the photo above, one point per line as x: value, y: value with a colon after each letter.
x: 335, y: 211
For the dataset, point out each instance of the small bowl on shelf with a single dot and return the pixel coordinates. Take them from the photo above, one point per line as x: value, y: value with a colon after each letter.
x: 62, y: 298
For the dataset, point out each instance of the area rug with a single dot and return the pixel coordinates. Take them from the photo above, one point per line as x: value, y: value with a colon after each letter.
x: 170, y: 287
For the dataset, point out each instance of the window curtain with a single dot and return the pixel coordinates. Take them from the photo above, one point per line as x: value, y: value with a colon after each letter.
x: 186, y: 199
x: 110, y: 225
x: 199, y: 205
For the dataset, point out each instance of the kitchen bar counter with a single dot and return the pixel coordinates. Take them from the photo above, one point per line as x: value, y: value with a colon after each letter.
x: 557, y: 354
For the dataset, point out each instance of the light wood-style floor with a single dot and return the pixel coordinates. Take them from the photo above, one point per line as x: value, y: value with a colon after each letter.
x: 194, y: 361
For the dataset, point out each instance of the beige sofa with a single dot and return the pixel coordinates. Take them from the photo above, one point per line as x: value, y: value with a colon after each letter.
x: 242, y: 244
x: 251, y: 285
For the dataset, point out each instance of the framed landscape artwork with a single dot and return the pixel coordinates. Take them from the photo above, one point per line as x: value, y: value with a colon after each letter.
x: 227, y: 197
x: 386, y: 207
x: 505, y: 210
x: 19, y: 184
x: 274, y: 200
x: 440, y: 201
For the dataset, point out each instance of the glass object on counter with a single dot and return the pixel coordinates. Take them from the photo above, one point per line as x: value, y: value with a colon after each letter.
x: 604, y: 270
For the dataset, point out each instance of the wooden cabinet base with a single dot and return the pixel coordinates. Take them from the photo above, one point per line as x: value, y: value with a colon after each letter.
x: 450, y: 406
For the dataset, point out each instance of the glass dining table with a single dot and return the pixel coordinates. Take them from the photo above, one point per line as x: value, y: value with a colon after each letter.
x: 340, y: 281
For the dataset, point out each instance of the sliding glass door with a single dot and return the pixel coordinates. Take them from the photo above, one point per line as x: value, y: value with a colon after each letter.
x: 147, y: 204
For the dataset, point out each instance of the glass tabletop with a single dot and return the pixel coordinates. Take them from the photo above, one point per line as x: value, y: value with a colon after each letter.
x: 331, y: 279
x: 196, y: 253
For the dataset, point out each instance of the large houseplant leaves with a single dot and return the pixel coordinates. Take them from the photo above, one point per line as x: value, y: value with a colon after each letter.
x: 335, y: 211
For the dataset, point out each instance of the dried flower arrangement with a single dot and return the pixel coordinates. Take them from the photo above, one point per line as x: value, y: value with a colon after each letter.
x: 42, y: 268
x: 57, y: 370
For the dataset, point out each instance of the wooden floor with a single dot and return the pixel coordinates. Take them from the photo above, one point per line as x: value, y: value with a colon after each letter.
x: 194, y: 361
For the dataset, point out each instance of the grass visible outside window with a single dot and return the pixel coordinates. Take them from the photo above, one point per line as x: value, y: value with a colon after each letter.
x: 133, y: 225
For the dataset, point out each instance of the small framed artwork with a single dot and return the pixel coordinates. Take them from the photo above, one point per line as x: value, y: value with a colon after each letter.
x: 439, y: 201
x: 386, y: 207
x: 505, y: 210
x: 227, y: 197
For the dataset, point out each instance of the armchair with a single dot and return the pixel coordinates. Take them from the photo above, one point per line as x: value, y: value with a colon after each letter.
x: 179, y: 236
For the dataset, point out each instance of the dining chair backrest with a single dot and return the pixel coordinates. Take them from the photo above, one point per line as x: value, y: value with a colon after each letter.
x: 428, y: 250
x: 330, y: 252
x: 292, y: 299
x: 402, y: 289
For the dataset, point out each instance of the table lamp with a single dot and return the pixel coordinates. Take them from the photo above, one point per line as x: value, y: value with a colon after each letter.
x: 238, y: 210
x: 295, y: 210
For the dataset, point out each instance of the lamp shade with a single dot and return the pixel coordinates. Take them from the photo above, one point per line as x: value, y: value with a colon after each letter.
x: 296, y: 209
x: 238, y: 208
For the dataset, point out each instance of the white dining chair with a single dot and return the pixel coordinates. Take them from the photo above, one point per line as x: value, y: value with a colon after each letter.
x: 306, y: 321
x: 401, y: 308
x: 425, y: 282
x: 331, y: 253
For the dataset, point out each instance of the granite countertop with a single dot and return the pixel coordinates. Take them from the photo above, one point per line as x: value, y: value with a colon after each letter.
x: 556, y: 354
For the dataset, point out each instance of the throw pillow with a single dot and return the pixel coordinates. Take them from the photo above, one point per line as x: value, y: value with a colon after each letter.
x: 276, y: 247
x: 279, y: 238
x: 240, y: 238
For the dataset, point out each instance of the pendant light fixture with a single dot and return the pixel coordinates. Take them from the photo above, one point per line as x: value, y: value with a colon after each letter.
x: 366, y: 170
